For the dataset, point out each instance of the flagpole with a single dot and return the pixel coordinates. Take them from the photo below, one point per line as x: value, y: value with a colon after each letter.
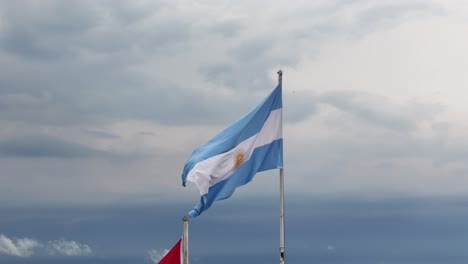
x: 281, y: 174
x: 185, y: 241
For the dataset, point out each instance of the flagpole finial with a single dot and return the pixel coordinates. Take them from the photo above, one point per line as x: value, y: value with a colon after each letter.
x: 280, y: 76
x: 185, y: 218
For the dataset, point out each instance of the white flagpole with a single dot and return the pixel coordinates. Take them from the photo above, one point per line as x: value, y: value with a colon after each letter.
x: 185, y: 241
x: 281, y: 171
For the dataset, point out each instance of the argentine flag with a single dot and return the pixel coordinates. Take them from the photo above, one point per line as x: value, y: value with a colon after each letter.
x: 232, y: 158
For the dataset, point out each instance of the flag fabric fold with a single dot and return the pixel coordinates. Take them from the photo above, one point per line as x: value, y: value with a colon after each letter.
x: 174, y: 256
x: 231, y: 159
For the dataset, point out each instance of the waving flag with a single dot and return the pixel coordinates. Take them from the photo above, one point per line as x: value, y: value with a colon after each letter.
x: 174, y: 256
x: 232, y: 158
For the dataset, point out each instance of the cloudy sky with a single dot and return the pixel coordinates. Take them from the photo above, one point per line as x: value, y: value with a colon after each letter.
x: 101, y: 103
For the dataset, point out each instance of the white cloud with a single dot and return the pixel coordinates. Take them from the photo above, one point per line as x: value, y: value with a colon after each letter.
x: 68, y: 248
x: 20, y: 247
x: 156, y: 255
x: 25, y: 247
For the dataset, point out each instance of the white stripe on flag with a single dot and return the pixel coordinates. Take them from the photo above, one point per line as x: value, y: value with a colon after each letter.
x: 217, y: 168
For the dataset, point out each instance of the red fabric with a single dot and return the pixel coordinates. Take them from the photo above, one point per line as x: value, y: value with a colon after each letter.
x: 173, y: 256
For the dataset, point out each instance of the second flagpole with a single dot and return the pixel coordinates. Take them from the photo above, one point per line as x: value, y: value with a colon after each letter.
x: 185, y: 257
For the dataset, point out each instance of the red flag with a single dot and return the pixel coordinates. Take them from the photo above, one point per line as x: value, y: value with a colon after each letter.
x: 174, y: 256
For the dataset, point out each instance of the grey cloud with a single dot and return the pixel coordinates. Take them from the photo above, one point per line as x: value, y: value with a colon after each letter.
x: 134, y: 42
x: 44, y: 146
x: 228, y: 29
x: 173, y: 105
x: 23, y: 44
x: 219, y: 73
x: 398, y: 120
x: 346, y: 102
x: 251, y: 59
x: 373, y: 15
x: 384, y: 146
x: 306, y: 29
x: 92, y: 80
x: 78, y: 96
x: 58, y: 29
x: 298, y: 105
x: 85, y: 73
x: 357, y: 158
x: 374, y: 110
x: 246, y: 68
x: 100, y: 133
x: 242, y: 77
x: 51, y: 17
x: 334, y: 17
x: 172, y: 31
x: 450, y: 154
x: 115, y: 96
x: 252, y: 50
x: 38, y: 30
x: 130, y: 13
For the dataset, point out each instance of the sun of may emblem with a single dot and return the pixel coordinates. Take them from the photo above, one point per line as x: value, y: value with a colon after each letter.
x: 238, y: 159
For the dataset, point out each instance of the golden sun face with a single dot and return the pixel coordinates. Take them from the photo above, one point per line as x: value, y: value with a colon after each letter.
x: 238, y: 159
